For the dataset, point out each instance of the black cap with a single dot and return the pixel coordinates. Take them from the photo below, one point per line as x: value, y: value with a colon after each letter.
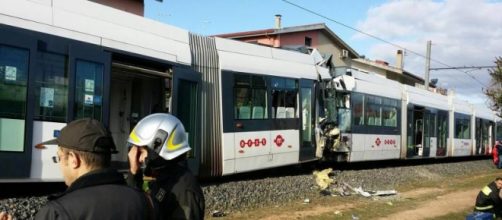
x: 84, y: 135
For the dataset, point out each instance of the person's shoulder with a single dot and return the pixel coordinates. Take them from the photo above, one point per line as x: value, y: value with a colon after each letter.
x: 52, y: 210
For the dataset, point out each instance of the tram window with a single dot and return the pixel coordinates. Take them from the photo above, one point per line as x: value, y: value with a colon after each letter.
x: 14, y: 65
x: 250, y: 97
x: 88, y: 89
x: 358, y: 108
x: 462, y: 128
x: 374, y: 111
x: 498, y: 130
x: 14, y: 75
x: 284, y: 98
x: 389, y: 115
x: 51, y: 87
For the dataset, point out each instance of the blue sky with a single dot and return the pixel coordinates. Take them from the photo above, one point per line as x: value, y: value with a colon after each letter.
x: 463, y: 33
x: 225, y: 16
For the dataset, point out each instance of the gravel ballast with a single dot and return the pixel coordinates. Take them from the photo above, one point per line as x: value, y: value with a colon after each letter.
x: 240, y: 195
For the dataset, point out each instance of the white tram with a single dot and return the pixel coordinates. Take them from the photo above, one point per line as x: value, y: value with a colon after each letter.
x: 387, y: 120
x: 245, y: 107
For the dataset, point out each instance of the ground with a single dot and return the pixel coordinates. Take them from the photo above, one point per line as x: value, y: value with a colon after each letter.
x: 446, y: 198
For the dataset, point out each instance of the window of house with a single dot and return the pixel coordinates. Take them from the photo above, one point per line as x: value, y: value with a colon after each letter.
x: 308, y: 41
x: 250, y: 97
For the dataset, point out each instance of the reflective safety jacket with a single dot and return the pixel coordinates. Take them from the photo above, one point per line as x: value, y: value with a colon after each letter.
x: 488, y: 199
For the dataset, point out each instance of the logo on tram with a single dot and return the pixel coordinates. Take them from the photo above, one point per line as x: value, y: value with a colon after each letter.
x: 279, y: 140
x: 385, y: 142
x: 253, y: 142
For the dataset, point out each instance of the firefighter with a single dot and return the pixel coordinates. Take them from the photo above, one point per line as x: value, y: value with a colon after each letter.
x: 159, y: 148
x: 488, y: 199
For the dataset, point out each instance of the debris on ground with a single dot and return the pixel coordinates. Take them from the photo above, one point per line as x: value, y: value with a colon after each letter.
x: 306, y: 201
x: 367, y: 194
x: 361, y: 192
x: 322, y: 178
x: 384, y: 193
x: 330, y: 187
x: 218, y: 213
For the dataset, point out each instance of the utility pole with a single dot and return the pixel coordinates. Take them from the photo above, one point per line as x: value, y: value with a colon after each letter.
x: 427, y: 65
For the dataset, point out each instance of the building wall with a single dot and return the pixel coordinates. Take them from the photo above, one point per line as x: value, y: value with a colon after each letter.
x: 328, y: 46
x: 131, y: 6
x: 271, y: 41
x: 298, y: 38
x: 369, y: 68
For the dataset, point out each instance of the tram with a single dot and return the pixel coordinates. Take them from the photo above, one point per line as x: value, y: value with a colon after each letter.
x: 381, y: 119
x: 245, y: 107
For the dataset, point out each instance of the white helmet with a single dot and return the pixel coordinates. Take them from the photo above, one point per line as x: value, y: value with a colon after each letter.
x: 163, y: 133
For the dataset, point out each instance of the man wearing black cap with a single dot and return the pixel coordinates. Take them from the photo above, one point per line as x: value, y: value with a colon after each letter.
x: 95, y: 191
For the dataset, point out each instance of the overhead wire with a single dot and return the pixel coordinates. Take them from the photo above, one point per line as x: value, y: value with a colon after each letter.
x: 380, y: 39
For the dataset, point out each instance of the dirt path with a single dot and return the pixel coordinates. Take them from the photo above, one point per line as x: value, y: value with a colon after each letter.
x: 448, y: 203
x: 449, y: 199
x: 312, y: 212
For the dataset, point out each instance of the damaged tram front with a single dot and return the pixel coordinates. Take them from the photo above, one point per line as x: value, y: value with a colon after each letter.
x: 335, y: 118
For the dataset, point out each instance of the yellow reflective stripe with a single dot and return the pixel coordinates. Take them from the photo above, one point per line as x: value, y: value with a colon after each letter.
x: 484, y: 207
x: 170, y: 146
x: 146, y: 186
x: 133, y: 136
x: 486, y: 190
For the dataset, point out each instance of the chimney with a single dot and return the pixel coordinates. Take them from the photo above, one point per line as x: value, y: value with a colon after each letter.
x: 278, y: 21
x: 399, y: 59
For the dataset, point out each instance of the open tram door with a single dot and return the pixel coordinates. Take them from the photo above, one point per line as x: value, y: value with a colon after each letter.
x: 140, y: 88
x: 137, y: 89
x: 419, y: 134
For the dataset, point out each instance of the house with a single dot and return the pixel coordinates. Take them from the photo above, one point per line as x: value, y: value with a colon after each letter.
x: 339, y: 54
x: 302, y: 37
x: 132, y: 6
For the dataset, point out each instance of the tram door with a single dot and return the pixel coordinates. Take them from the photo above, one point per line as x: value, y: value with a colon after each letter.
x: 416, y: 130
x: 186, y: 106
x: 307, y: 147
x: 429, y: 133
x: 135, y: 93
x: 442, y: 132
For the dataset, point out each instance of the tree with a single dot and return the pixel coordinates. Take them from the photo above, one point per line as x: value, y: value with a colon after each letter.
x: 494, y: 90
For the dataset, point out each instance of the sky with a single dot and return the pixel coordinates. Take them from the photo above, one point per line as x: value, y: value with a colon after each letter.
x: 462, y: 32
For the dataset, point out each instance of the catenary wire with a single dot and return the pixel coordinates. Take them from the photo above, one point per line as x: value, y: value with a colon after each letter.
x: 380, y: 39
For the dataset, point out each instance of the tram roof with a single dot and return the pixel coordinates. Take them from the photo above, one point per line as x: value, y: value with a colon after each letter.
x: 100, y: 25
x: 251, y: 58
